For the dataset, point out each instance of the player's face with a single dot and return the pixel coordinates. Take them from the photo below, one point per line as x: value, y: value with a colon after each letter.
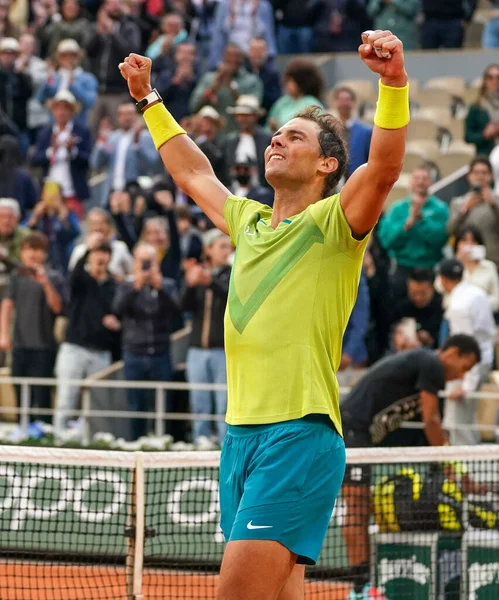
x: 457, y: 364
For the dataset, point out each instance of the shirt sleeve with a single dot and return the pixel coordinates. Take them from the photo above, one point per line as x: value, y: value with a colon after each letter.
x: 329, y: 216
x: 428, y: 378
x: 236, y: 213
x: 10, y: 292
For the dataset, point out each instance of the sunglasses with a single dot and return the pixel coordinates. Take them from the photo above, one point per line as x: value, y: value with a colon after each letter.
x: 492, y: 76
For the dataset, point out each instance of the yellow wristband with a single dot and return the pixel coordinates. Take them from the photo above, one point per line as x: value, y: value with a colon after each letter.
x: 162, y: 126
x: 392, y: 110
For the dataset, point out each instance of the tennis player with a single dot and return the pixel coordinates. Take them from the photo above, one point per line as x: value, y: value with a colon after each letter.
x: 293, y: 286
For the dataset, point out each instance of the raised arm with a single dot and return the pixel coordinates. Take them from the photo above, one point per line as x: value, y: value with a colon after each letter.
x: 185, y: 162
x: 364, y: 194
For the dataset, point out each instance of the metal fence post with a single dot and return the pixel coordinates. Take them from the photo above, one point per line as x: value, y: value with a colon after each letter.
x: 25, y: 406
x: 159, y: 428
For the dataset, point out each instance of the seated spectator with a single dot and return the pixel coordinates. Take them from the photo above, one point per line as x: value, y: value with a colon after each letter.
x: 470, y: 251
x: 423, y: 305
x: 398, y: 16
x: 114, y: 36
x: 443, y: 25
x: 223, y: 87
x: 249, y: 142
x: 245, y: 184
x: 191, y: 245
x: 479, y: 207
x: 70, y: 76
x: 125, y: 153
x: 304, y: 85
x: 207, y: 135
x: 15, y: 90
x: 176, y: 83
x: 295, y: 25
x: 260, y: 63
x: 16, y: 181
x: 71, y: 24
x: 99, y: 222
x: 11, y: 238
x: 413, y: 230
x: 339, y: 26
x: 172, y: 34
x: 92, y: 328
x: 354, y: 350
x: 61, y: 226
x: 205, y: 297
x: 34, y: 298
x: 490, y: 35
x: 358, y: 134
x: 237, y: 22
x: 147, y: 308
x: 482, y: 120
x: 63, y: 152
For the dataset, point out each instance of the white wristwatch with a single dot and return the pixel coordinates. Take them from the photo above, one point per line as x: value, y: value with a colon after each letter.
x: 151, y: 98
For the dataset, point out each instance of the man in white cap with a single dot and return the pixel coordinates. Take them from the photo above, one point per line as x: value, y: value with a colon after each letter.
x: 70, y: 76
x: 209, y: 140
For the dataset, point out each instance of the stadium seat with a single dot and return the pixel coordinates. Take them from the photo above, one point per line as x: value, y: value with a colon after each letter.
x: 456, y: 129
x: 461, y: 147
x: 454, y: 85
x: 363, y: 89
x: 470, y: 95
x: 412, y: 160
x: 440, y: 115
x: 427, y: 149
x: 414, y: 90
x: 451, y: 162
x: 422, y: 129
x: 435, y: 98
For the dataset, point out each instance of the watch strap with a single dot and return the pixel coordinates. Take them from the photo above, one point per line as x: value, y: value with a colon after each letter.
x: 151, y: 98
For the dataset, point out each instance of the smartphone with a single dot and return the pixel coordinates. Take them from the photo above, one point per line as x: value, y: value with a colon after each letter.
x: 477, y: 252
x: 50, y: 192
x: 146, y: 265
x: 476, y: 189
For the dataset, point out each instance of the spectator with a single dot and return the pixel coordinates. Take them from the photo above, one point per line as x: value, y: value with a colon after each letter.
x: 304, y: 85
x: 423, y: 305
x: 205, y: 297
x: 176, y: 84
x: 404, y: 336
x: 7, y: 125
x: 172, y: 34
x: 443, y: 23
x: 223, y: 87
x: 16, y: 181
x: 479, y: 207
x: 146, y: 307
x: 490, y: 36
x: 126, y: 153
x: 15, y: 89
x: 482, y: 120
x: 61, y: 226
x: 207, y: 136
x: 398, y: 16
x: 7, y: 27
x: 467, y: 312
x: 470, y: 251
x: 249, y: 143
x: 413, y: 230
x: 99, y: 222
x: 43, y: 14
x: 63, y: 151
x: 358, y: 134
x: 237, y: 22
x: 145, y: 14
x: 354, y: 351
x: 70, y: 76
x: 191, y: 245
x: 36, y: 296
x: 295, y: 25
x: 245, y: 184
x: 113, y: 37
x: 92, y: 328
x: 71, y: 24
x: 11, y: 238
x: 259, y: 63
x: 339, y: 26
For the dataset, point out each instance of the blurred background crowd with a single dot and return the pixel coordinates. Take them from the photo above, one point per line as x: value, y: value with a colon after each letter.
x: 103, y: 259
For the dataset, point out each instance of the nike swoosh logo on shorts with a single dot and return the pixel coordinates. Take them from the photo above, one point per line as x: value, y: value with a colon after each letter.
x: 251, y: 526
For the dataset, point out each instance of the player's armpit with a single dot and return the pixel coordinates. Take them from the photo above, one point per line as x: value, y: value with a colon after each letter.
x: 430, y: 414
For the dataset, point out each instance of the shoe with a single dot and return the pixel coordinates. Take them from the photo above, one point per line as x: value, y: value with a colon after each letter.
x: 368, y: 593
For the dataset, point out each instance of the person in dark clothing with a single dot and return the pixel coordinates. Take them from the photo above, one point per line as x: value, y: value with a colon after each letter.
x: 16, y: 181
x: 295, y: 25
x: 147, y: 308
x: 423, y: 304
x: 191, y: 245
x: 205, y: 297
x: 339, y: 25
x: 259, y: 63
x: 243, y: 177
x: 443, y: 22
x: 92, y: 328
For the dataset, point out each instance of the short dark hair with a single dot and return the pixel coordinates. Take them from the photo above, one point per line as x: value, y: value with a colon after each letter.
x: 183, y: 212
x: 475, y: 232
x: 422, y: 275
x: 36, y: 240
x: 345, y: 88
x: 331, y: 141
x: 103, y: 247
x: 481, y: 160
x: 466, y: 344
x: 307, y: 77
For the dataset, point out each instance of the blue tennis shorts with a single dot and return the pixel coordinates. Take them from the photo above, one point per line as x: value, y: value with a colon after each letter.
x: 280, y: 482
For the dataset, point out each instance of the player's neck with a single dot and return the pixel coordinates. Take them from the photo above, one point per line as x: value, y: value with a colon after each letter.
x: 289, y: 203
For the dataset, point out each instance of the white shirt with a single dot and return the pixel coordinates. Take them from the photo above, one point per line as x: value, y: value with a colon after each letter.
x: 246, y: 149
x: 119, y: 174
x: 485, y: 277
x: 60, y: 159
x: 121, y: 263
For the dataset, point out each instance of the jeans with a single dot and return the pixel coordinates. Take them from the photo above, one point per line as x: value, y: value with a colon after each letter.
x: 294, y: 40
x: 490, y: 36
x: 144, y: 367
x: 442, y: 34
x: 74, y: 362
x: 34, y: 363
x: 207, y: 366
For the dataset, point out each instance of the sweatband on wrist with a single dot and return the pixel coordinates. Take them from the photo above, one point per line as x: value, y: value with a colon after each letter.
x: 392, y: 109
x: 162, y: 126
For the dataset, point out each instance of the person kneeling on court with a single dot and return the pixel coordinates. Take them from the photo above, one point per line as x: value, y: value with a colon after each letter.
x: 399, y: 389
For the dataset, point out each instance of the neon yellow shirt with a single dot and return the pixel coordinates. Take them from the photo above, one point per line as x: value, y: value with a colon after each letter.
x: 291, y: 293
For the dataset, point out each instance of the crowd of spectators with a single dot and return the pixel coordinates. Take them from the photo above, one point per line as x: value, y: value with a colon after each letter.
x: 126, y: 263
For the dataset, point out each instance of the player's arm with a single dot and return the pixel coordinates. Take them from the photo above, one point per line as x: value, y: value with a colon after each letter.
x: 185, y: 162
x: 430, y: 414
x: 364, y: 194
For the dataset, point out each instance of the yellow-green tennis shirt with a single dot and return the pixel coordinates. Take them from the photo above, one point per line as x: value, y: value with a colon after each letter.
x: 292, y: 290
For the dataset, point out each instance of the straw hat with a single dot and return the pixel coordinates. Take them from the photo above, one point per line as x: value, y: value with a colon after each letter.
x: 246, y: 104
x: 67, y: 97
x: 68, y: 46
x: 208, y: 112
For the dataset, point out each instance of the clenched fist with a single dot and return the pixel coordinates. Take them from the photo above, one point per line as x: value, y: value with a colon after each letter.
x: 136, y: 71
x: 383, y: 53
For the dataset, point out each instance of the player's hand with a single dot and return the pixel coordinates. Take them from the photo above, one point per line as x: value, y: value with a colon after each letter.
x: 136, y: 71
x: 383, y: 53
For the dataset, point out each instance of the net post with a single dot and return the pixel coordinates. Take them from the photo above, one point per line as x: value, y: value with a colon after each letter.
x: 24, y: 406
x: 85, y: 413
x: 136, y: 525
x: 159, y: 426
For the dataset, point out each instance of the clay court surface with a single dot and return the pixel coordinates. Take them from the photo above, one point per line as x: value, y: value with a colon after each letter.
x: 38, y: 581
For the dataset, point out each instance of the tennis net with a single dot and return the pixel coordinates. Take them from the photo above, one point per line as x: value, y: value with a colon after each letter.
x: 418, y: 523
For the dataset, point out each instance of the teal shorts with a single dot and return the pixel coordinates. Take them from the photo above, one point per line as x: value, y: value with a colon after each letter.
x: 280, y: 482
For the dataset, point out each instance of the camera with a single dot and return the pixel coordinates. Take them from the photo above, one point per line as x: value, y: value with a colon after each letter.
x: 146, y: 265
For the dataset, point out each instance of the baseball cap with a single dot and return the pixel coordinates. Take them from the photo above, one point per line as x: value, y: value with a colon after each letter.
x: 9, y: 44
x: 451, y: 268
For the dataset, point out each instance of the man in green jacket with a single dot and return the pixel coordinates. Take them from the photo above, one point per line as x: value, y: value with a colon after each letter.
x: 399, y: 16
x: 414, y: 230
